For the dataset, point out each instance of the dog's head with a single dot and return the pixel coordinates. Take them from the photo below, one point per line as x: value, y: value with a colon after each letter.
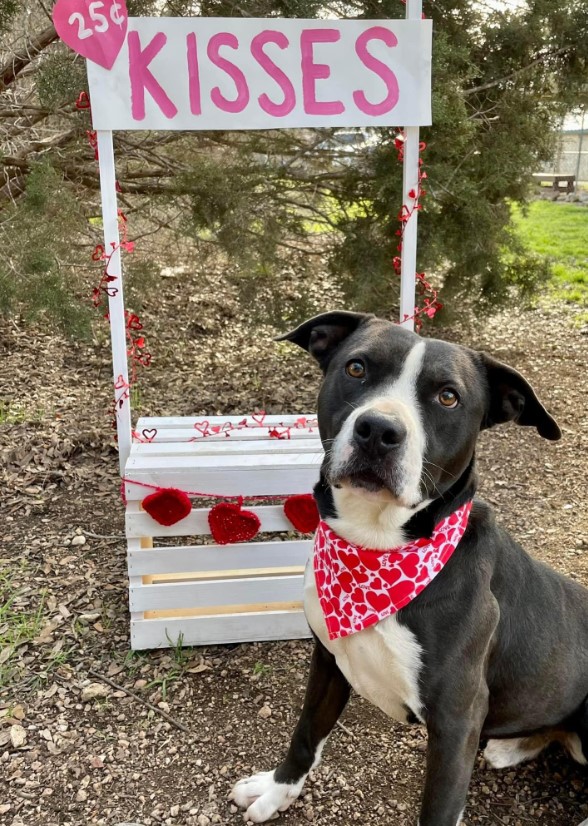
x: 398, y: 414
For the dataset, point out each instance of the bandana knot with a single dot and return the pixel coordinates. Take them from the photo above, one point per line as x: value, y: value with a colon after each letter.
x: 358, y: 587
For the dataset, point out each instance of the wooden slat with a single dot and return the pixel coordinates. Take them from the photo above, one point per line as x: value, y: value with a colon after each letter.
x: 211, y: 630
x: 197, y: 576
x: 237, y: 462
x: 166, y: 422
x: 224, y: 610
x: 184, y: 434
x: 164, y: 560
x: 261, y: 478
x: 227, y: 447
x: 139, y: 523
x: 215, y: 593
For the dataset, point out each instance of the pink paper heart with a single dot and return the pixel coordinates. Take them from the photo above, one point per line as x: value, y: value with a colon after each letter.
x: 96, y: 29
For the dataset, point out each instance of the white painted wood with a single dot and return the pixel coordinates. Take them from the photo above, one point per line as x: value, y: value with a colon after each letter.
x: 261, y: 481
x: 165, y: 596
x: 139, y: 523
x: 165, y: 422
x: 116, y: 306
x: 410, y: 172
x: 164, y: 560
x: 252, y: 434
x: 227, y: 447
x: 221, y: 462
x: 267, y: 625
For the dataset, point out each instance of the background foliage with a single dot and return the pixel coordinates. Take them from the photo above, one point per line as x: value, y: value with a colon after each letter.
x: 283, y: 201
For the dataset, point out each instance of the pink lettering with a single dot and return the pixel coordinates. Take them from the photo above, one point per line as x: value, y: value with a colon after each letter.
x: 278, y: 110
x: 240, y: 102
x: 383, y: 71
x: 311, y: 72
x: 193, y: 74
x: 142, y: 78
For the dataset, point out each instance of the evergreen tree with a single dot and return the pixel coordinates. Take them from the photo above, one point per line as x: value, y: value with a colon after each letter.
x: 503, y: 78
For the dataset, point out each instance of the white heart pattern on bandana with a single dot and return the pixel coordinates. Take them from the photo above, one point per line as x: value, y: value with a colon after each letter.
x: 358, y: 587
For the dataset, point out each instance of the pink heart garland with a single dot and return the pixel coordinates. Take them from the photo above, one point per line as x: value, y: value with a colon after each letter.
x: 96, y: 29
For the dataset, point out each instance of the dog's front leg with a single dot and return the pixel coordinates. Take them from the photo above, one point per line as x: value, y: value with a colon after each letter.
x: 327, y: 692
x: 453, y: 740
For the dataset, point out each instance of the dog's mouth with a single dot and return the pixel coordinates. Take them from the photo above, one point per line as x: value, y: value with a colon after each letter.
x: 367, y: 479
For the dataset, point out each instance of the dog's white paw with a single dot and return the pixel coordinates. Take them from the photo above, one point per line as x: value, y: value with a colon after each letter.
x: 262, y: 797
x: 501, y: 754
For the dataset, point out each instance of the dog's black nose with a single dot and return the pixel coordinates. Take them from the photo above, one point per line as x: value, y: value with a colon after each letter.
x: 376, y: 433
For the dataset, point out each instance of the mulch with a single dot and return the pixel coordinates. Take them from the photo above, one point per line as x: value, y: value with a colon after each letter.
x: 76, y: 749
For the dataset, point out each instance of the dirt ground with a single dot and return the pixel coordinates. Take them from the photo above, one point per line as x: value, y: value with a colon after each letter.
x: 72, y: 757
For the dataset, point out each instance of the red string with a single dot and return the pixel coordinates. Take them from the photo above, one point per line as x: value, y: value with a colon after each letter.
x: 198, y: 494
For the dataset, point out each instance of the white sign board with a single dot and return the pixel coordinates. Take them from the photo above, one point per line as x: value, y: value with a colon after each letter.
x: 244, y: 73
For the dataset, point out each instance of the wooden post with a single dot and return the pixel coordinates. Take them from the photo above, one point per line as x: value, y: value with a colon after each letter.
x: 410, y: 181
x: 116, y: 304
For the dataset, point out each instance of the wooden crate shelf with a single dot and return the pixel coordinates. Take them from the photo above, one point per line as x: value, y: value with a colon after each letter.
x: 207, y: 593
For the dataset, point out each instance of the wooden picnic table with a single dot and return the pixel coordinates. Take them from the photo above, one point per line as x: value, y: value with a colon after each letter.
x: 556, y: 179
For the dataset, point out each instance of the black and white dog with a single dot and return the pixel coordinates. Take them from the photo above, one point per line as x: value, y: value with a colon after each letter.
x: 496, y: 646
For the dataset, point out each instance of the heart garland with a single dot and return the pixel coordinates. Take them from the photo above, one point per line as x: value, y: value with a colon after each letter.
x: 167, y: 506
x: 228, y: 521
x: 302, y: 512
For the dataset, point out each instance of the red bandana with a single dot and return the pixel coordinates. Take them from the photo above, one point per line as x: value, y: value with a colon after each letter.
x: 358, y: 587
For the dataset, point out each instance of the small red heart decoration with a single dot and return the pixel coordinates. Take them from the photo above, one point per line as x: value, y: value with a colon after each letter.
x: 83, y: 101
x: 167, y: 506
x: 229, y: 523
x: 302, y: 512
x: 96, y: 30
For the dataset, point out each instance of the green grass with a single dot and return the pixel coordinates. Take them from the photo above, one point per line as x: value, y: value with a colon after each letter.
x: 559, y: 232
x: 17, y: 626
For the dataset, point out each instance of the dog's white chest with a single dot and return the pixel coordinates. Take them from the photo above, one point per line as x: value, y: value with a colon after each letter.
x: 382, y: 663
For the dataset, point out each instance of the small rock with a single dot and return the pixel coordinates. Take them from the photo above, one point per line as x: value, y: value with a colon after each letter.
x: 94, y: 691
x: 5, y: 807
x: 174, y: 811
x: 264, y: 712
x: 79, y: 540
x: 18, y: 736
x: 81, y: 796
x: 203, y: 820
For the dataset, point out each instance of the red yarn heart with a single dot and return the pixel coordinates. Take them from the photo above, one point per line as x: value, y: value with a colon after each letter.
x: 302, y: 512
x: 228, y: 523
x: 167, y: 506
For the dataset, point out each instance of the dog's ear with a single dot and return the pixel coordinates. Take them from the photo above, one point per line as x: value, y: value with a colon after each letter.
x: 322, y: 334
x: 511, y: 398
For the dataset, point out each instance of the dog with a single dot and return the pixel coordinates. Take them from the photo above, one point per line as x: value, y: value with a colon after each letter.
x: 494, y: 646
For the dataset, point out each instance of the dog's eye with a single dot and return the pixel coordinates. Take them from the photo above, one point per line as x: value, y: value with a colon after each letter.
x: 448, y: 397
x: 355, y: 369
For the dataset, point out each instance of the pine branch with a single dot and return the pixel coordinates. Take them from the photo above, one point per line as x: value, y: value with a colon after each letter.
x: 541, y: 59
x: 10, y: 71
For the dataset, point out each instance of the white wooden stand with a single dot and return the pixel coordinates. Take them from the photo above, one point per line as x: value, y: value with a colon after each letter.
x: 203, y: 594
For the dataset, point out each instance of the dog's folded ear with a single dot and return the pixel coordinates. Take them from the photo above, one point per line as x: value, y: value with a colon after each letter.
x: 511, y: 398
x: 321, y: 335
